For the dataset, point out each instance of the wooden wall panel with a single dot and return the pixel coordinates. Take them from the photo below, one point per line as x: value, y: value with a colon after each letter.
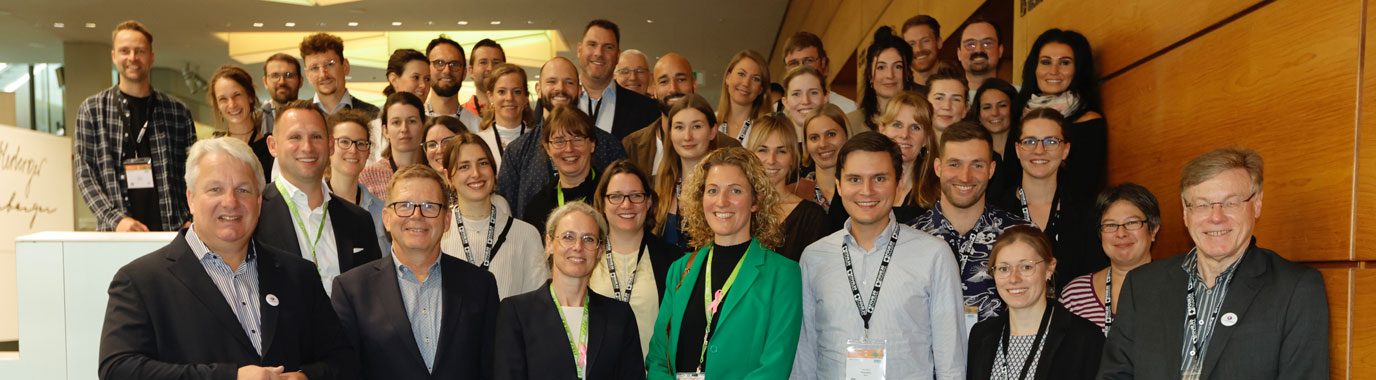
x: 1363, y: 345
x: 1364, y: 231
x: 1338, y: 282
x: 1263, y: 82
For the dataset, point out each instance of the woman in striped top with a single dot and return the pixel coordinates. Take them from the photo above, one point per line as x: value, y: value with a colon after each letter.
x: 1129, y: 218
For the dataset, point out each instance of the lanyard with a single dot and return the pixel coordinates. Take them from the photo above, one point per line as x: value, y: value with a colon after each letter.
x: 491, y: 228
x: 579, y: 347
x: 711, y: 301
x: 1192, y: 314
x: 128, y: 117
x: 501, y: 146
x: 1050, y: 219
x: 740, y: 136
x: 592, y: 176
x: 301, y: 222
x: 1037, y: 343
x: 821, y: 200
x: 1108, y: 299
x: 630, y: 282
x: 867, y: 312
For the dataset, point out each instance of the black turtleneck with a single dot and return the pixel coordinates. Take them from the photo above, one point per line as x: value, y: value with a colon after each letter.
x: 724, y: 260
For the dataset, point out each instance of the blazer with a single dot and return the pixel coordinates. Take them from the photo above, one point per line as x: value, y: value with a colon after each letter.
x: 640, y: 145
x: 1281, y: 331
x: 662, y: 256
x: 167, y: 320
x: 633, y: 111
x: 756, y: 336
x: 353, y: 229
x: 367, y: 299
x: 532, y: 344
x: 1071, y: 350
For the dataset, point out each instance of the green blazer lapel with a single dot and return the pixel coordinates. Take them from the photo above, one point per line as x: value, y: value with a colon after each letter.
x: 750, y: 270
x: 1247, y: 282
x: 682, y: 290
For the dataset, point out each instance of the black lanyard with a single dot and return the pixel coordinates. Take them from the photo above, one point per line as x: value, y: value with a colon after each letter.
x: 501, y: 146
x: 630, y: 282
x: 1108, y: 299
x: 866, y: 313
x: 1032, y: 351
x: 491, y: 228
x: 1192, y: 314
x: 1050, y: 218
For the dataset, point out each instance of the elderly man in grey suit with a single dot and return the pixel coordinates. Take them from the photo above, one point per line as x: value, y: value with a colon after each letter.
x: 1227, y: 309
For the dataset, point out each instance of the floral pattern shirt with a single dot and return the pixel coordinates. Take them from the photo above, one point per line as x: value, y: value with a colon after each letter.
x: 972, y: 252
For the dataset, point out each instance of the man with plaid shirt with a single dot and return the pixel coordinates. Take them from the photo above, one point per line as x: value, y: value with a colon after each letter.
x: 131, y: 144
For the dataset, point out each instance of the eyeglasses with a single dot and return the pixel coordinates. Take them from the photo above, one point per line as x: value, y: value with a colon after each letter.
x: 559, y: 143
x: 805, y: 61
x: 569, y: 240
x: 1132, y: 225
x: 628, y: 71
x: 440, y: 64
x: 432, y: 144
x: 1228, y: 206
x: 406, y: 209
x: 1049, y: 143
x: 973, y: 43
x: 344, y: 143
x: 281, y: 76
x: 635, y: 198
x: 329, y: 65
x: 1024, y: 268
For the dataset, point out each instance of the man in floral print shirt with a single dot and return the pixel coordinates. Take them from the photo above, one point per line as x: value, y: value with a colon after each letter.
x: 964, y: 219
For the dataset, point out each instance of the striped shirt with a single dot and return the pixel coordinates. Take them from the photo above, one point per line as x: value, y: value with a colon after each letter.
x: 1207, y: 301
x: 1081, y: 297
x: 238, y: 286
x: 423, y: 303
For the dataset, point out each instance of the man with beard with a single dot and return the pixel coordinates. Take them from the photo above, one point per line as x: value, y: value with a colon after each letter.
x: 633, y: 72
x: 979, y: 52
x: 131, y: 144
x: 328, y: 72
x: 963, y: 219
x: 487, y: 54
x: 525, y: 166
x: 613, y: 108
x: 447, y: 68
x: 805, y: 48
x: 923, y: 33
x: 282, y: 79
x: 673, y: 80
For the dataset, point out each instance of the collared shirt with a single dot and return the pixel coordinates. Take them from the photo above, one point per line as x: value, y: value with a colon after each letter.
x: 326, y: 257
x: 238, y: 286
x: 918, y: 312
x: 344, y: 102
x: 607, y: 111
x: 972, y: 252
x: 1208, y: 302
x: 424, y: 306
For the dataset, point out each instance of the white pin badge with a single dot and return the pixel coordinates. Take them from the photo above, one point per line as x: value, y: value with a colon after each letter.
x: 1229, y: 319
x: 272, y: 301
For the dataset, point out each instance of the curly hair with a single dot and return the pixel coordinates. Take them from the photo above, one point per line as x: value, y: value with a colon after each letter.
x: 764, y: 223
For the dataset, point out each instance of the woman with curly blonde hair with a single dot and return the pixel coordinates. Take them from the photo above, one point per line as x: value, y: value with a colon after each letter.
x: 735, y: 307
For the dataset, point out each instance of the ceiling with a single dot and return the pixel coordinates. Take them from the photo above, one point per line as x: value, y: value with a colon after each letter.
x: 707, y: 32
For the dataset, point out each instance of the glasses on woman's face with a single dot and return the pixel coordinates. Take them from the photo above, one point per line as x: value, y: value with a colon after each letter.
x: 635, y: 198
x: 345, y: 144
x: 1024, y: 268
x: 433, y: 144
x: 1131, y: 225
x: 570, y: 240
x: 1049, y: 143
x: 406, y: 209
x: 561, y: 142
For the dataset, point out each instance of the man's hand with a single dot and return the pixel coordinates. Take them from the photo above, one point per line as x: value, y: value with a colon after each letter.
x: 130, y: 225
x: 253, y: 372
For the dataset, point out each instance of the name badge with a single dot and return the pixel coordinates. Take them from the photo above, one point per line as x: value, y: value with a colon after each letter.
x: 865, y: 359
x: 138, y: 173
x: 690, y: 376
x: 971, y: 317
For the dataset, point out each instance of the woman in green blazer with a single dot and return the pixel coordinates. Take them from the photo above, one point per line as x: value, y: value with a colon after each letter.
x: 735, y: 294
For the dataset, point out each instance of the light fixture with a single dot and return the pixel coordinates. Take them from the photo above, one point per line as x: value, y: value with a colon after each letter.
x: 429, y: 23
x: 353, y: 23
x: 463, y: 22
x: 396, y: 23
x: 530, y: 22
x: 90, y: 25
x: 58, y: 25
x: 257, y: 25
x: 648, y: 21
x: 494, y: 22
x: 291, y: 25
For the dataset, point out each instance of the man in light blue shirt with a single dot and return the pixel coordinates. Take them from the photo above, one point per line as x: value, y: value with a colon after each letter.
x: 916, y: 317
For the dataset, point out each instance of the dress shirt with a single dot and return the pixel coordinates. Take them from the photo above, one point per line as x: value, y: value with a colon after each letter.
x: 918, y: 312
x: 644, y: 295
x: 972, y: 252
x: 424, y: 306
x: 344, y: 102
x: 239, y: 286
x: 326, y: 249
x: 1208, y: 302
x: 607, y: 113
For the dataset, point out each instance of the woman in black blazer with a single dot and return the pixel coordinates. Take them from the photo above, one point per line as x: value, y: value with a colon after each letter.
x: 563, y: 330
x: 1034, y: 338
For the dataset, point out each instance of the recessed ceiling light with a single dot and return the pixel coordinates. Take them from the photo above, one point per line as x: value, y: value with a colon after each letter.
x: 353, y: 23
x: 649, y: 21
x: 528, y: 22
x: 90, y: 25
x: 396, y: 23
x: 494, y: 22
x: 257, y: 25
x: 291, y: 25
x: 59, y: 25
x: 463, y: 22
x: 429, y: 23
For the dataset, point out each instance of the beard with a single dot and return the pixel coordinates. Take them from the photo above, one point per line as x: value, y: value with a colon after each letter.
x: 445, y: 91
x: 931, y: 60
x: 548, y: 104
x: 948, y: 195
x: 283, y: 94
x: 980, y: 68
x: 664, y: 101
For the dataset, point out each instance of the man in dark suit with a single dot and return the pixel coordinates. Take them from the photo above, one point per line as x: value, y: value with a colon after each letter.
x: 442, y: 325
x: 612, y: 108
x: 1227, y: 309
x: 213, y: 303
x: 671, y: 80
x: 299, y: 215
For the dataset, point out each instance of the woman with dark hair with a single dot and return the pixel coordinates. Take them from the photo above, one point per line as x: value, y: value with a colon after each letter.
x: 634, y: 259
x: 1059, y: 74
x: 887, y: 73
x: 569, y: 139
x: 804, y: 221
x: 403, y: 121
x: 439, y: 130
x: 408, y: 71
x: 1129, y: 219
x: 691, y: 136
x: 824, y: 132
x: 509, y: 116
x: 231, y: 91
x: 1035, y: 338
x: 743, y: 95
x: 996, y: 108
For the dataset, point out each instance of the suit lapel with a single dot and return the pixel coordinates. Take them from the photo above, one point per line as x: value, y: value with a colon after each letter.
x: 1168, y: 302
x: 385, y: 278
x: 1245, y: 285
x: 451, y: 298
x: 554, y: 323
x: 597, y: 334
x: 1054, y: 338
x: 750, y: 270
x: 344, y: 247
x: 275, y: 224
x: 269, y: 283
x: 191, y: 273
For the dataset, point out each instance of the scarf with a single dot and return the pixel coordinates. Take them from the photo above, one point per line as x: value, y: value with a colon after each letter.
x: 1067, y: 103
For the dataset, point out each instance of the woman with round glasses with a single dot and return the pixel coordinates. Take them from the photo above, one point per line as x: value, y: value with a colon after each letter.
x: 438, y: 130
x: 635, y: 263
x: 1041, y: 198
x: 403, y: 121
x: 482, y: 230
x: 351, y: 148
x: 1034, y: 338
x: 1059, y: 74
x: 569, y: 140
x: 1129, y: 219
x: 733, y: 309
x: 564, y: 330
x: 773, y: 141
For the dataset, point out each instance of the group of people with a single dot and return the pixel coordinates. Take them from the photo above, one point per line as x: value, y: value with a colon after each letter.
x: 481, y: 239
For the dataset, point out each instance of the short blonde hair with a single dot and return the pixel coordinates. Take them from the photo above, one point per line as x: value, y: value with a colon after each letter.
x: 418, y: 171
x: 764, y: 223
x: 1209, y: 165
x: 552, y: 224
x: 767, y: 125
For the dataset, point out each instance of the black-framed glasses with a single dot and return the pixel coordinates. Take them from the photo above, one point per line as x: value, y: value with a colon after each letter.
x: 635, y: 198
x: 1228, y: 206
x: 432, y: 144
x: 1024, y: 268
x: 1131, y: 225
x: 1049, y: 143
x: 973, y: 43
x: 343, y: 143
x: 329, y: 65
x: 281, y: 76
x: 440, y: 64
x: 569, y: 240
x: 427, y: 209
x: 560, y: 143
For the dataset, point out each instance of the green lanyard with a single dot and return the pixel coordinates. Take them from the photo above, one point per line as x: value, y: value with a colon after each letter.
x: 710, y: 304
x: 580, y: 347
x: 592, y: 176
x: 301, y: 222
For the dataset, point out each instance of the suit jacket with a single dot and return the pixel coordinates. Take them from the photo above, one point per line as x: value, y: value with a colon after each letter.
x: 1281, y: 331
x: 370, y: 308
x: 633, y: 111
x: 1072, y: 349
x: 640, y: 145
x: 757, y: 332
x: 526, y: 167
x: 167, y: 320
x: 532, y: 344
x: 354, y: 233
x: 662, y: 256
